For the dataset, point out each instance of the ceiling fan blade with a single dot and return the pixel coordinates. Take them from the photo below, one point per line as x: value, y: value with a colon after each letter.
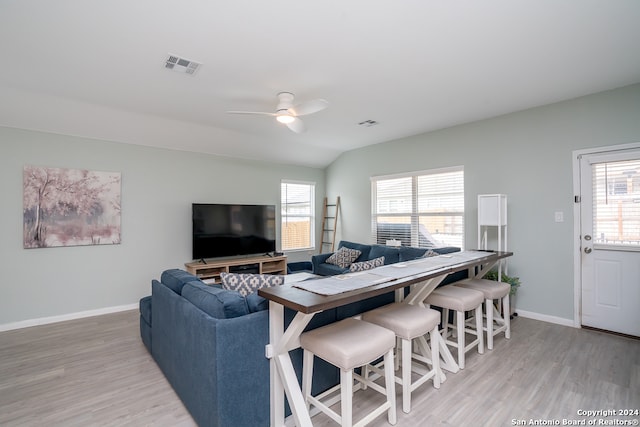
x: 297, y: 125
x: 309, y: 107
x: 262, y: 113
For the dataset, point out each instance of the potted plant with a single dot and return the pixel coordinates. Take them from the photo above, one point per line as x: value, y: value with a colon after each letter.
x: 511, y: 280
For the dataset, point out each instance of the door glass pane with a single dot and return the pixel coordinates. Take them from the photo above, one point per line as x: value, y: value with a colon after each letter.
x: 616, y: 203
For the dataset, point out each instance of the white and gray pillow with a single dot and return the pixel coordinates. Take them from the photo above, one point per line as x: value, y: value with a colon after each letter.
x: 367, y: 265
x: 247, y: 284
x: 343, y: 257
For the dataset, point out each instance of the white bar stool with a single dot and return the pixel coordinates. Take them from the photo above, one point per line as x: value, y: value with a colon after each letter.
x: 408, y: 322
x: 497, y: 321
x: 460, y: 300
x: 348, y: 344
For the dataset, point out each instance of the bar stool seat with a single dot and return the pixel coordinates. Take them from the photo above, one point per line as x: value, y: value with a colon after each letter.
x: 492, y: 290
x: 409, y: 322
x: 348, y: 344
x: 460, y: 300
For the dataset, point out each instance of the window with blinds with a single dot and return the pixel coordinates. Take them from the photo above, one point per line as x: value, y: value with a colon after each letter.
x: 616, y: 203
x: 297, y: 215
x: 424, y: 209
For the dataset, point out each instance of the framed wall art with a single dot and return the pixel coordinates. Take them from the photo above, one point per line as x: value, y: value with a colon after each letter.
x: 70, y: 207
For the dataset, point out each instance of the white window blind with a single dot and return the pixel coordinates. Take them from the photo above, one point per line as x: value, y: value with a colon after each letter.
x: 297, y: 215
x: 616, y: 203
x: 424, y: 209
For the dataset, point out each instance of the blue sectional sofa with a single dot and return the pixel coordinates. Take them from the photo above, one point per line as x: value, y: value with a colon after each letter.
x: 210, y: 345
x: 391, y: 255
x: 210, y: 342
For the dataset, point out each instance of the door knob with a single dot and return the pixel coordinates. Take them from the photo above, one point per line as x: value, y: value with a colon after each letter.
x: 587, y: 250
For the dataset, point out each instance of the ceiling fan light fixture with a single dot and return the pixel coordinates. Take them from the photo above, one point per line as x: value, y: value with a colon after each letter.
x: 285, y: 118
x: 288, y: 114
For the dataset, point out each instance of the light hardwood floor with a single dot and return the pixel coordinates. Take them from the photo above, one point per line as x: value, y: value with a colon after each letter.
x: 96, y: 372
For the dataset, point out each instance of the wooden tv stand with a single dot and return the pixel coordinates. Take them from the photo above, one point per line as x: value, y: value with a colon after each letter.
x: 213, y: 268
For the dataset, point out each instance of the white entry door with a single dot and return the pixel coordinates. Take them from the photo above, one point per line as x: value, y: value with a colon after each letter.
x: 610, y: 241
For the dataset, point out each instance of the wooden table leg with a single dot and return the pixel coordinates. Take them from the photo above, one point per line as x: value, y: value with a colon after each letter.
x: 283, y: 379
x: 418, y: 294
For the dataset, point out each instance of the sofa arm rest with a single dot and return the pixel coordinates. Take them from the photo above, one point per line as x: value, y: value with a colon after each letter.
x: 316, y: 260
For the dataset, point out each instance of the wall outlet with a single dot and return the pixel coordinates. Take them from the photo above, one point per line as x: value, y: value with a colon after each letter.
x: 560, y: 216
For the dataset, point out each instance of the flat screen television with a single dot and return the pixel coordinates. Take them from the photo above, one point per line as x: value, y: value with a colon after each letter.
x: 223, y: 230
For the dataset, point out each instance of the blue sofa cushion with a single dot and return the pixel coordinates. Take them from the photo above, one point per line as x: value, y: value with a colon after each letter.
x: 145, y: 322
x: 145, y: 309
x: 216, y: 302
x: 256, y: 303
x: 446, y: 250
x: 247, y: 284
x: 367, y: 265
x: 175, y: 279
x: 364, y: 249
x: 145, y: 334
x: 391, y: 254
x: 325, y: 269
x: 408, y: 253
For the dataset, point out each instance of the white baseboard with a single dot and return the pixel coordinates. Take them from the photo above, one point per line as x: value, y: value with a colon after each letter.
x: 546, y: 318
x: 107, y: 310
x: 63, y: 317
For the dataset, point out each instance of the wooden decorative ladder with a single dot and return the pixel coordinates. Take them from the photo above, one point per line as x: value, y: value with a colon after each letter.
x: 329, y: 225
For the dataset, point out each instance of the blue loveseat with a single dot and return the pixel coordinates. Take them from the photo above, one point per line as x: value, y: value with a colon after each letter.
x: 391, y: 255
x: 210, y: 345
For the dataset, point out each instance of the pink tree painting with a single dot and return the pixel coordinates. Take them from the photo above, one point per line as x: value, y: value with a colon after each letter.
x: 70, y: 207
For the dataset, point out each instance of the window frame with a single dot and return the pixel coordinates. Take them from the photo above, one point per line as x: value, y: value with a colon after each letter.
x: 414, y: 215
x: 311, y: 216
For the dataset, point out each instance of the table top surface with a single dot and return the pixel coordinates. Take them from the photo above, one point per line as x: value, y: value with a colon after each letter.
x: 310, y: 302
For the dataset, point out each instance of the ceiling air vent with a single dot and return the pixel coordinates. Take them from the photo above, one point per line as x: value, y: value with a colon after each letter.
x: 368, y: 123
x: 181, y: 65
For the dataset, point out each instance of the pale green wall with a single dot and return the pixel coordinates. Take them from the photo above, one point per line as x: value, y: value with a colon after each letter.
x: 158, y: 187
x: 526, y: 155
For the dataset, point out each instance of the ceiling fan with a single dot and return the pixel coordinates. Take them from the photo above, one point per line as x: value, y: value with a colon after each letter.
x: 288, y: 113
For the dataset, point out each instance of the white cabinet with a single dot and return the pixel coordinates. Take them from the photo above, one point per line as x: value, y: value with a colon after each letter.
x: 492, y: 209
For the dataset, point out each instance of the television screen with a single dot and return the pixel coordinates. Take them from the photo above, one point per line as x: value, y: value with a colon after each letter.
x: 221, y: 230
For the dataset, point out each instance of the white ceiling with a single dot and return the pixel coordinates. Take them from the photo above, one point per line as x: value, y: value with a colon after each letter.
x: 95, y: 68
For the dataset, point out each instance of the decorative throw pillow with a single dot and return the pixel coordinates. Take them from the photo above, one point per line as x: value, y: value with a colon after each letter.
x: 246, y: 284
x: 343, y: 257
x: 367, y: 265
